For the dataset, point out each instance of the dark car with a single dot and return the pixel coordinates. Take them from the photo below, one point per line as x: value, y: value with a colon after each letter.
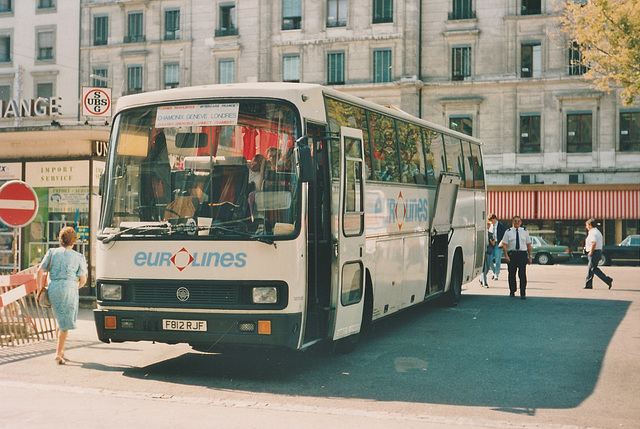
x: 627, y: 252
x: 548, y: 254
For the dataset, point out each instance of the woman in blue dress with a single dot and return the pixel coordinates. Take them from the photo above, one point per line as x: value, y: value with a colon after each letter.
x: 67, y: 273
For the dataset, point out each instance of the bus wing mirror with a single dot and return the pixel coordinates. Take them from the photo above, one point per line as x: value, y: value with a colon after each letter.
x: 304, y: 163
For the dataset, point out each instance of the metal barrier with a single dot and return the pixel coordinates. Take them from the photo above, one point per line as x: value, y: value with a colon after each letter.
x: 22, y: 319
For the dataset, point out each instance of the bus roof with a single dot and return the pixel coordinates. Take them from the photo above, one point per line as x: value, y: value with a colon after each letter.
x: 306, y: 96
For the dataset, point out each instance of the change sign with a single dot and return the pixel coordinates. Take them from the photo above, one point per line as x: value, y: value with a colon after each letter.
x: 96, y: 102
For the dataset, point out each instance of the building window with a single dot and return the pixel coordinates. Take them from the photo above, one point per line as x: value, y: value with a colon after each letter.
x: 134, y: 28
x: 5, y: 6
x: 5, y: 49
x: 227, y: 20
x: 382, y: 65
x: 576, y: 68
x: 531, y: 60
x: 461, y: 62
x: 382, y: 11
x: 100, y: 30
x: 462, y: 9
x: 46, y: 4
x: 579, y: 132
x: 531, y: 7
x: 100, y: 77
x: 462, y: 124
x: 45, y: 45
x: 291, y: 68
x: 335, y: 68
x: 291, y: 14
x: 134, y: 79
x: 530, y: 133
x: 172, y: 24
x: 5, y: 93
x: 336, y: 13
x: 226, y: 70
x: 171, y: 75
x: 44, y: 90
x: 630, y: 131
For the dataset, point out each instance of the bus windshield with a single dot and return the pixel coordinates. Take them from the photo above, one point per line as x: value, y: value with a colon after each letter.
x: 216, y: 169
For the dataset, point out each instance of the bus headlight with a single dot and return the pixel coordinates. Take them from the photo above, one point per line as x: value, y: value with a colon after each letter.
x: 265, y: 295
x: 110, y: 292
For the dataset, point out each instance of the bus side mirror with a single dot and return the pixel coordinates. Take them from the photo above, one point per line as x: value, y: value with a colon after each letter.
x: 101, y: 184
x: 304, y: 162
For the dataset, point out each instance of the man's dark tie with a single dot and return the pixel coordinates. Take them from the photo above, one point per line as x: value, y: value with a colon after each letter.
x: 517, y: 240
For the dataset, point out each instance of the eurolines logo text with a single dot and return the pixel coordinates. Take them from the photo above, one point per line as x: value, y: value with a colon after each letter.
x: 182, y: 259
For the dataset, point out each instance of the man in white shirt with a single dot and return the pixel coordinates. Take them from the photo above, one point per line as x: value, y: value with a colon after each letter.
x: 516, y: 245
x: 593, y: 247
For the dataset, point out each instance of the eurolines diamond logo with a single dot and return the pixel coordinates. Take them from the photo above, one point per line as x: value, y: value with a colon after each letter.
x: 182, y: 259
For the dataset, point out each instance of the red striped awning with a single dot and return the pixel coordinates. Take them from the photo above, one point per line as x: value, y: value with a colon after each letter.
x: 576, y: 204
x: 507, y: 204
x: 611, y: 204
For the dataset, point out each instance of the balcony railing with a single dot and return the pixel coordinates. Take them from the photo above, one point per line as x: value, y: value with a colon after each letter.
x: 224, y: 32
x: 135, y: 39
x: 463, y: 14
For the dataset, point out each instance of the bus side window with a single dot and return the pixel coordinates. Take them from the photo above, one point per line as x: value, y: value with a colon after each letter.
x: 468, y: 165
x: 411, y: 154
x: 434, y: 151
x: 385, y: 148
x: 454, y: 157
x: 478, y: 167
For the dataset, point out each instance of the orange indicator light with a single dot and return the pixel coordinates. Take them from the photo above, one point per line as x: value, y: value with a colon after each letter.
x: 264, y: 327
x: 109, y: 322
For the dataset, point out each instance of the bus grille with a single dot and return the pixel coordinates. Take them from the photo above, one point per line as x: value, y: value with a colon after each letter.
x: 198, y: 295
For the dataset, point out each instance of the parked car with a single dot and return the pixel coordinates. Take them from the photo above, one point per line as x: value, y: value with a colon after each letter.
x: 627, y: 252
x: 545, y: 253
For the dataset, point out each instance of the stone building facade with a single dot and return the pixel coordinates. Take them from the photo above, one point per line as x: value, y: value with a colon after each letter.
x: 499, y: 70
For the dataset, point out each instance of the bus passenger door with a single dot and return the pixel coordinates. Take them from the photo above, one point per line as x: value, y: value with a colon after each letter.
x: 351, y: 237
x: 441, y: 225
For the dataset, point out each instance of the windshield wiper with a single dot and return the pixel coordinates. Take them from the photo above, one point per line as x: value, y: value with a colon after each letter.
x: 137, y: 228
x: 255, y: 237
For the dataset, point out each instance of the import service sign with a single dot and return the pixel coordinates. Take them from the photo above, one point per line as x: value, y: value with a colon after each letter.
x: 96, y: 102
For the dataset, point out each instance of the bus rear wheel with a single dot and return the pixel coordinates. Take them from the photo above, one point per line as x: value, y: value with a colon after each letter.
x: 452, y: 298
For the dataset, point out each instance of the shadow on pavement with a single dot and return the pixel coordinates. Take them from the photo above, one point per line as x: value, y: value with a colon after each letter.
x: 491, y: 351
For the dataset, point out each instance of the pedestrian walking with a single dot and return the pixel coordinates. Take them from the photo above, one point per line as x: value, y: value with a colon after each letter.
x: 498, y: 229
x: 516, y: 244
x: 488, y: 257
x: 593, y: 248
x: 68, y: 273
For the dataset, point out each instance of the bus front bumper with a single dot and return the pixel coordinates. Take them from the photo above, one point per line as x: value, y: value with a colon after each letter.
x: 201, y: 330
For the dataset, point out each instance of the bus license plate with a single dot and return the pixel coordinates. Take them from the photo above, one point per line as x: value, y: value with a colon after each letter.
x: 184, y: 325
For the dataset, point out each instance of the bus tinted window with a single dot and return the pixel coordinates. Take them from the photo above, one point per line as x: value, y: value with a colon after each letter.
x: 468, y: 164
x: 411, y: 153
x: 385, y: 149
x: 346, y: 115
x: 454, y: 157
x: 435, y: 155
x: 478, y: 167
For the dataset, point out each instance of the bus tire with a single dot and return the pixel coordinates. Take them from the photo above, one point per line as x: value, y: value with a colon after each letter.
x: 367, y: 310
x: 452, y: 298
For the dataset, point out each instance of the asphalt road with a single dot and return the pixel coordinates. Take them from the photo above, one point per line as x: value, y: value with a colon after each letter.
x: 565, y: 357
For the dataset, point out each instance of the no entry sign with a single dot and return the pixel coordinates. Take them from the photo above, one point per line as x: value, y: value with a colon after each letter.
x: 96, y: 102
x: 18, y: 204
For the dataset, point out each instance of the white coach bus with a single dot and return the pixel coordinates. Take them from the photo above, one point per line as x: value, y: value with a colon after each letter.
x: 279, y: 215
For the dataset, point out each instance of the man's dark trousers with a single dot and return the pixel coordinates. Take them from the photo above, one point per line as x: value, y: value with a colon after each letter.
x: 518, y: 262
x: 595, y: 269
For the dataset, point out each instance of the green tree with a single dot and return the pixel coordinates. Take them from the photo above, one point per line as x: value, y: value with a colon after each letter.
x: 608, y: 34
